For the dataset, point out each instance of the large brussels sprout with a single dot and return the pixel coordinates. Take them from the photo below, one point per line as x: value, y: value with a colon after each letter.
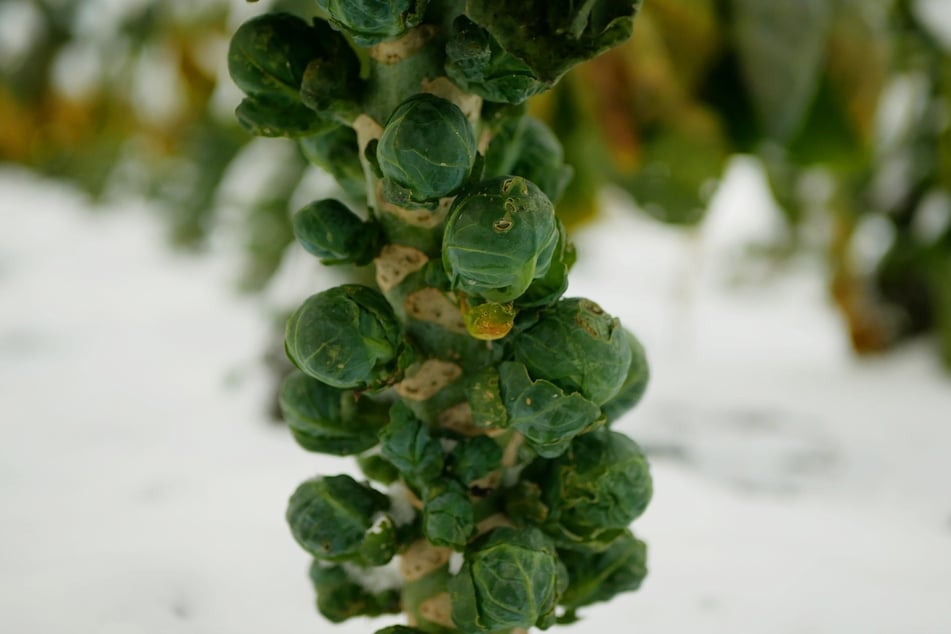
x: 267, y: 59
x: 339, y: 597
x: 329, y: 230
x: 476, y: 62
x: 635, y: 383
x: 600, y: 575
x: 551, y: 36
x: 269, y: 54
x: 578, y: 347
x: 327, y: 419
x: 594, y: 490
x: 337, y: 519
x: 369, y: 22
x: 547, y: 417
x: 511, y: 578
x: 434, y: 123
x: 347, y: 337
x: 501, y: 235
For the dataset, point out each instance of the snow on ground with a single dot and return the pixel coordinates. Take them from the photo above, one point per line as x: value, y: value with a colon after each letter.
x: 142, y: 488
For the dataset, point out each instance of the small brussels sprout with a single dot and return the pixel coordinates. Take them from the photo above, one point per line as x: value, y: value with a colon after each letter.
x: 347, y: 337
x: 578, y: 347
x: 477, y: 64
x: 501, y: 235
x: 340, y: 598
x: 337, y: 152
x: 474, y: 458
x: 542, y: 160
x: 327, y: 419
x: 483, y: 394
x: 547, y: 417
x: 551, y: 36
x: 511, y: 578
x: 439, y: 126
x: 600, y: 575
x: 594, y: 490
x: 337, y: 519
x: 370, y: 22
x: 488, y: 321
x: 267, y: 117
x: 329, y: 230
x: 448, y: 515
x: 408, y: 445
x: 268, y: 55
x: 378, y: 468
x: 635, y: 384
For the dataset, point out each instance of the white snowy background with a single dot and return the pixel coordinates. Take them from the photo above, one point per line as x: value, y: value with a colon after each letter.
x: 142, y: 486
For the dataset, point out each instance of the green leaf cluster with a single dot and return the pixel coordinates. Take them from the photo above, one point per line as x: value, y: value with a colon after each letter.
x: 465, y: 383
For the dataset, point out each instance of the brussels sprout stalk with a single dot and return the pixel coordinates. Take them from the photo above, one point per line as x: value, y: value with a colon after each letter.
x: 462, y: 380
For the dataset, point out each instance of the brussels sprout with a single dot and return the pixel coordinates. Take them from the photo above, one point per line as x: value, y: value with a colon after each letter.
x: 501, y: 235
x: 541, y: 159
x: 488, y: 321
x: 551, y: 36
x: 635, y: 384
x: 378, y: 468
x: 578, y: 347
x: 448, y: 515
x: 476, y: 62
x: 268, y: 55
x: 340, y: 598
x: 601, y: 575
x: 594, y: 490
x: 399, y: 629
x: 474, y: 458
x: 327, y: 419
x: 482, y: 392
x: 347, y: 337
x: 370, y: 22
x: 336, y: 235
x: 542, y: 412
x: 337, y: 519
x: 264, y: 116
x: 511, y: 578
x: 408, y: 445
x: 337, y: 152
x: 434, y: 123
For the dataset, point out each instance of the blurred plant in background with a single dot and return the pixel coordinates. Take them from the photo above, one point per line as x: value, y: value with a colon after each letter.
x: 126, y: 97
x: 845, y: 103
